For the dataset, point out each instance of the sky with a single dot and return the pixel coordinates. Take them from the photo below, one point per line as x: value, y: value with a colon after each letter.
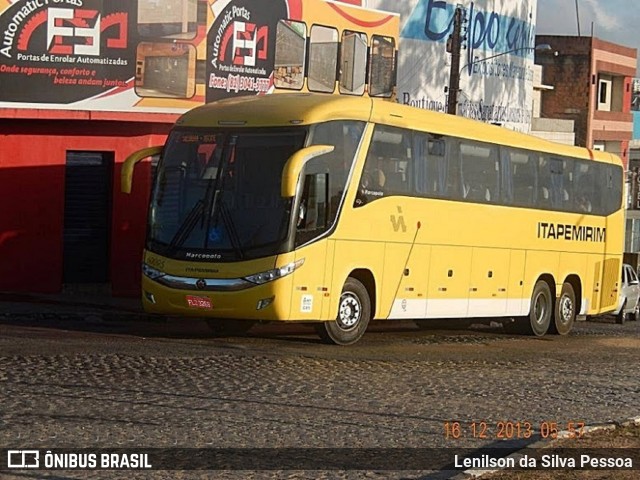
x: 616, y: 21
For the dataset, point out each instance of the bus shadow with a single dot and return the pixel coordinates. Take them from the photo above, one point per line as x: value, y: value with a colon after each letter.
x: 158, y: 326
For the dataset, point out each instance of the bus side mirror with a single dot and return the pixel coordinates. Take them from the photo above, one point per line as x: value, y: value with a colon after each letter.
x: 126, y: 175
x: 294, y: 165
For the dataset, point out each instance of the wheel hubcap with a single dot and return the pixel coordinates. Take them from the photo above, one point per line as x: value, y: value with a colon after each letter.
x: 540, y: 309
x: 349, y: 313
x: 566, y: 309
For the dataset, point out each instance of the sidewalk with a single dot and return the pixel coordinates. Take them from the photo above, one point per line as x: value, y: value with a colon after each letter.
x: 68, y: 304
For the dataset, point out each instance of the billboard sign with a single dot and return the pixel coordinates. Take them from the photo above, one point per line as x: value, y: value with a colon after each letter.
x: 172, y: 55
x: 496, y: 74
x: 63, y: 51
x: 242, y: 40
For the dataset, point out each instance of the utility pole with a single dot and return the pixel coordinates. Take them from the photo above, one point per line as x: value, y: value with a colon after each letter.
x: 454, y: 46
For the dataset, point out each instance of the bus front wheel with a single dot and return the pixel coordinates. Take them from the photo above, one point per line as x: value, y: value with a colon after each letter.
x: 565, y: 314
x: 354, y: 313
x: 539, y: 319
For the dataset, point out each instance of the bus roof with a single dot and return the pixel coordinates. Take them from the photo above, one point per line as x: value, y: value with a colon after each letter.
x: 307, y: 108
x: 278, y: 110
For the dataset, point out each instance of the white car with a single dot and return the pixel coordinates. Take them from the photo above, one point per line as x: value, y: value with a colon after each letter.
x: 628, y: 302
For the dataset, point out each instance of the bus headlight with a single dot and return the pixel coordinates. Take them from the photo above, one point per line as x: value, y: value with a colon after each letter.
x: 271, y: 275
x: 151, y: 272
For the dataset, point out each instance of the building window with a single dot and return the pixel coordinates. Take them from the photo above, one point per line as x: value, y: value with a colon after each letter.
x: 604, y: 93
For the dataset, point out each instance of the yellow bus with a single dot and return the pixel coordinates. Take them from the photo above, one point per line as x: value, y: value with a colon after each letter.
x: 339, y: 210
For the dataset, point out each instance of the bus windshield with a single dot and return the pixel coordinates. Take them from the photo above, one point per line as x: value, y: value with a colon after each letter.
x: 217, y: 194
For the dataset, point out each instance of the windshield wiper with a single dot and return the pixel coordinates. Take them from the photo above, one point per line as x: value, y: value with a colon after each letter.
x: 186, y: 227
x: 216, y: 205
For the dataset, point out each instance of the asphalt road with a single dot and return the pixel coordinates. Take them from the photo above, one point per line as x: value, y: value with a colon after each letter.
x: 96, y: 380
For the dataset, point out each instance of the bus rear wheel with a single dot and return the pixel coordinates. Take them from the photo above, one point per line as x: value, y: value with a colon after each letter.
x: 565, y: 313
x: 539, y: 319
x: 354, y: 313
x: 229, y: 328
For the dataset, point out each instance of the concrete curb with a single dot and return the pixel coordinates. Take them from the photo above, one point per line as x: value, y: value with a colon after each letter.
x: 471, y: 473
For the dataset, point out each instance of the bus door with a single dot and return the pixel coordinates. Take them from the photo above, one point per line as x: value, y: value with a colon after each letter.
x: 309, y: 283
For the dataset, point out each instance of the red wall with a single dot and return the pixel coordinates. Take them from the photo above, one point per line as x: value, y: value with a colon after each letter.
x: 32, y: 175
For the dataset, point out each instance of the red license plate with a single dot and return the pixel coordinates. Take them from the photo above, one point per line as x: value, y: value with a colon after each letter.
x: 199, y: 302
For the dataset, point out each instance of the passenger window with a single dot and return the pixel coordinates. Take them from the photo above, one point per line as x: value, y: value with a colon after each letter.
x: 430, y: 164
x: 480, y: 169
x: 543, y: 199
x: 345, y: 137
x: 612, y: 197
x: 453, y: 189
x: 523, y: 178
x: 586, y: 199
x: 388, y: 166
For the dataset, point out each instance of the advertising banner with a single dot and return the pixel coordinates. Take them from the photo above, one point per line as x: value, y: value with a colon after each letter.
x: 64, y: 51
x: 241, y: 55
x: 172, y: 55
x: 496, y: 68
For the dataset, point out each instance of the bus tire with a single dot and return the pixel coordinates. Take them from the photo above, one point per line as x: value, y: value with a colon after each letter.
x: 221, y: 327
x: 354, y: 313
x: 565, y: 311
x: 539, y: 319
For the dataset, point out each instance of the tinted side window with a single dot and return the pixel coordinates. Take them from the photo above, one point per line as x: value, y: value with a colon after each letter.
x: 430, y: 164
x: 520, y: 186
x: 480, y: 168
x: 345, y: 137
x: 388, y: 168
x: 612, y: 198
x: 586, y: 196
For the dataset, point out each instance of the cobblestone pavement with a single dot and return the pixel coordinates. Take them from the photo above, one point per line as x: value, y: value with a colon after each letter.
x: 87, y: 380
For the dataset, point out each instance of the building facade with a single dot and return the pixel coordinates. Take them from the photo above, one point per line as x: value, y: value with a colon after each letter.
x: 85, y: 84
x: 552, y: 129
x: 632, y: 240
x: 591, y: 81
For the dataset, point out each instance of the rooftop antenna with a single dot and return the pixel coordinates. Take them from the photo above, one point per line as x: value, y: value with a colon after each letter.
x: 578, y: 17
